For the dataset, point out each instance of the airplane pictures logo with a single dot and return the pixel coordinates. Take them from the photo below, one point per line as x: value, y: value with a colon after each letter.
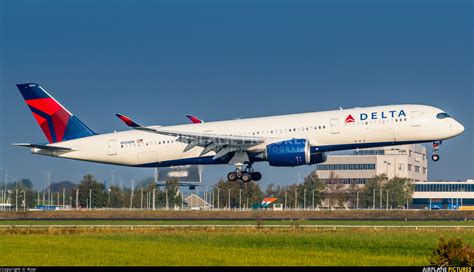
x: 349, y: 119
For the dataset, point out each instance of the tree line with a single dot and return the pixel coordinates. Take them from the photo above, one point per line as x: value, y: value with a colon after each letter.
x: 379, y: 192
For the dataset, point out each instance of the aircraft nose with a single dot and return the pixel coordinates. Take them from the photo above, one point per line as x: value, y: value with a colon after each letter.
x: 458, y: 128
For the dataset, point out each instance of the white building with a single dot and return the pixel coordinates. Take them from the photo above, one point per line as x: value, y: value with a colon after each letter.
x: 193, y: 201
x: 444, y: 194
x: 405, y: 161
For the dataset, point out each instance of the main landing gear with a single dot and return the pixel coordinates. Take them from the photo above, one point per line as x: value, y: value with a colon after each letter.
x: 435, y: 156
x: 246, y: 175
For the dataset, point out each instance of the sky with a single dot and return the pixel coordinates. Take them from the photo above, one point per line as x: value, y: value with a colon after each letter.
x: 158, y: 60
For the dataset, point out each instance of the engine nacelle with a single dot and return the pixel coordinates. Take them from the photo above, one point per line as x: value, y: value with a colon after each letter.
x: 289, y: 153
x: 318, y: 158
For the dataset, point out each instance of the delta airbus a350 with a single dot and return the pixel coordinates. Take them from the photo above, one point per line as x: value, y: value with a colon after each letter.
x: 284, y: 140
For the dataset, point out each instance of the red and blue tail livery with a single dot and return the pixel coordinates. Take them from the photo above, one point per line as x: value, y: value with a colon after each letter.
x: 57, y: 123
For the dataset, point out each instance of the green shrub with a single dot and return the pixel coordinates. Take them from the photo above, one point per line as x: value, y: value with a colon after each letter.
x: 452, y: 252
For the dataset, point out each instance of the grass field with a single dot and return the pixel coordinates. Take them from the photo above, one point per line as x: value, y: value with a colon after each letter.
x: 360, y: 247
x: 143, y: 246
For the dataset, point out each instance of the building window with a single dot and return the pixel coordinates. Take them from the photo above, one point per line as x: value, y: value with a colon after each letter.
x: 409, y: 167
x: 424, y: 170
x: 335, y: 167
x: 444, y: 187
x: 417, y: 169
x: 369, y: 152
x: 345, y: 181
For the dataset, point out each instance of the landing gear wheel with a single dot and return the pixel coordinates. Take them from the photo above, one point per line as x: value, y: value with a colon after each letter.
x: 246, y: 177
x: 436, y: 145
x: 232, y: 176
x: 256, y: 176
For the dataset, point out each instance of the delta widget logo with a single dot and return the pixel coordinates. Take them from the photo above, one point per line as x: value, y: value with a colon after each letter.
x: 349, y: 119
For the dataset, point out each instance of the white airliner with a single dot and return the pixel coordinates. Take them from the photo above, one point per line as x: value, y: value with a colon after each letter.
x: 284, y: 140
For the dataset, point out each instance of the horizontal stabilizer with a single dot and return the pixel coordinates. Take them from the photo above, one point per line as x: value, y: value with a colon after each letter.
x: 45, y: 147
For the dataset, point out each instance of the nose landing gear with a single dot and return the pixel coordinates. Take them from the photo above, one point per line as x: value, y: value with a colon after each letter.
x: 246, y: 175
x: 435, y: 156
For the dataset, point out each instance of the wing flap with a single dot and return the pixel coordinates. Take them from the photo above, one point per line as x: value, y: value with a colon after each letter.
x: 45, y: 147
x: 221, y: 144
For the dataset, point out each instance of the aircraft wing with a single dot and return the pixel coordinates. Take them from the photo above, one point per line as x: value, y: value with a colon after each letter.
x: 45, y: 147
x: 221, y: 144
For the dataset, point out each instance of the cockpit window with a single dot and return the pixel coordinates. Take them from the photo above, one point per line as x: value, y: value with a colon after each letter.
x: 442, y: 115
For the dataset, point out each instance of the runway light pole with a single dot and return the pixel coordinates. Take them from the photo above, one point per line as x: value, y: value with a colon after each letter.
x: 357, y: 201
x: 148, y: 200
x: 77, y: 199
x: 373, y: 201
x: 108, y: 200
x: 213, y: 201
x: 240, y: 199
x: 6, y: 181
x: 380, y: 207
x: 304, y: 199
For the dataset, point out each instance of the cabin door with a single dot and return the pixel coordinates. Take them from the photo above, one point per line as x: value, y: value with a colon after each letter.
x: 334, y: 126
x: 415, y: 118
x: 111, y: 147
